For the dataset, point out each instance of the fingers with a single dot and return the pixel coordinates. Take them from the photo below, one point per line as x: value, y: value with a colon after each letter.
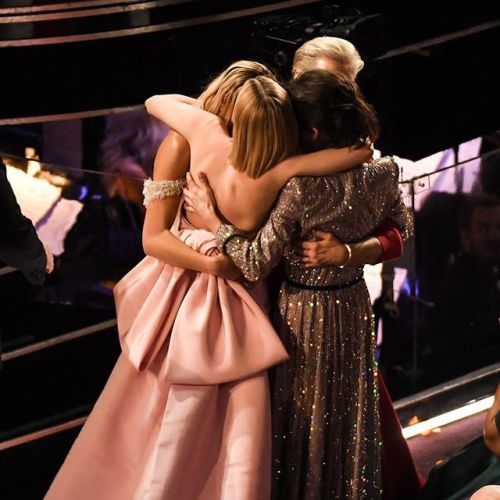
x: 307, y: 245
x: 308, y: 263
x: 189, y: 203
x: 326, y: 238
x: 323, y: 235
x: 190, y: 181
x: 50, y: 264
x: 194, y: 192
x: 193, y: 180
x: 308, y: 252
x: 311, y: 259
x: 300, y: 251
x: 203, y: 180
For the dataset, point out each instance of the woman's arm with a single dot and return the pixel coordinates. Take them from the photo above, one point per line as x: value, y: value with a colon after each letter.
x: 256, y: 256
x: 172, y: 162
x: 324, y: 162
x: 384, y: 245
x: 491, y: 430
x: 178, y: 112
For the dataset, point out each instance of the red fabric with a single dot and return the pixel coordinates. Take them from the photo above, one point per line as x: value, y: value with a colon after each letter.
x: 400, y: 477
x: 391, y: 240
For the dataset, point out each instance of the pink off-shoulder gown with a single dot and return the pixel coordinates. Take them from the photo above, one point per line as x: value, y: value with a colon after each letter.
x: 185, y: 413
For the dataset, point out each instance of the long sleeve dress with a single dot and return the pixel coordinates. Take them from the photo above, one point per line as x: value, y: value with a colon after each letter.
x: 324, y: 399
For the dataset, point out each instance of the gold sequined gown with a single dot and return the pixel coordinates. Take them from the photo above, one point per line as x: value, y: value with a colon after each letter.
x: 326, y: 441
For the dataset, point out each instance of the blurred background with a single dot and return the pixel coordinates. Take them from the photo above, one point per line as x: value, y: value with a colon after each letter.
x: 79, y: 144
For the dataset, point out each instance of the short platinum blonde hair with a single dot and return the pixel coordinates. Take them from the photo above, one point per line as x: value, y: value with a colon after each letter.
x: 339, y: 50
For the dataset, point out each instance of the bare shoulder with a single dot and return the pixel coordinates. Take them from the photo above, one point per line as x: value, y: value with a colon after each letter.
x: 172, y: 158
x: 176, y: 141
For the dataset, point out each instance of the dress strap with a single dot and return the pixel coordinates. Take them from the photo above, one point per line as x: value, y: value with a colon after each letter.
x: 158, y: 190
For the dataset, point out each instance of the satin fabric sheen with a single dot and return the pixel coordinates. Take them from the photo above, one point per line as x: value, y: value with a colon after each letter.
x: 185, y: 413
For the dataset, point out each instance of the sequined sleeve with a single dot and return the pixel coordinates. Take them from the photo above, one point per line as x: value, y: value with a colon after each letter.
x: 158, y: 190
x: 258, y: 256
x: 399, y: 212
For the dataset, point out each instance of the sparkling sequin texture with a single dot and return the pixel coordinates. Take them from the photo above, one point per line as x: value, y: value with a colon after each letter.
x: 158, y: 190
x: 325, y: 421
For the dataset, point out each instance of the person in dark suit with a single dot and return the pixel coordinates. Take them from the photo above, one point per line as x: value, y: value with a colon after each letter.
x: 19, y: 243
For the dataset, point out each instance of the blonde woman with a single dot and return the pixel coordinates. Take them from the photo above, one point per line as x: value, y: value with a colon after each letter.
x: 329, y: 53
x: 185, y: 413
x: 252, y: 164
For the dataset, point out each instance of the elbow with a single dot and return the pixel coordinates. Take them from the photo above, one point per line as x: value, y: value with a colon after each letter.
x: 493, y: 444
x: 147, y: 244
x: 149, y: 104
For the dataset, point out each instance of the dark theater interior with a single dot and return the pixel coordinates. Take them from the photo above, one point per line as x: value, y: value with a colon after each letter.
x: 78, y: 144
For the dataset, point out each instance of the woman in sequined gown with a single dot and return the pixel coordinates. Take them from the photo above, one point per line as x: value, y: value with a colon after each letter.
x: 399, y: 472
x: 325, y: 416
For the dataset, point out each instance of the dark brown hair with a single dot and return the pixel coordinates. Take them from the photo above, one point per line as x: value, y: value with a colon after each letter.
x: 334, y: 106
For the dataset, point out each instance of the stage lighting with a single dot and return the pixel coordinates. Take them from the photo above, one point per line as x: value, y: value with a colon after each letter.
x: 278, y: 36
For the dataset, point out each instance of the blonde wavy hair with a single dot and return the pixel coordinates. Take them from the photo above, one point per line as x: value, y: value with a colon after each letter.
x: 264, y: 127
x: 221, y: 93
x: 339, y: 50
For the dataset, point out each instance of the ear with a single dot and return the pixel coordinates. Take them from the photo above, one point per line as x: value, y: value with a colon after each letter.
x: 315, y: 134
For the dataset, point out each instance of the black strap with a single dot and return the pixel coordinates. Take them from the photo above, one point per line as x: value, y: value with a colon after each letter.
x: 326, y: 288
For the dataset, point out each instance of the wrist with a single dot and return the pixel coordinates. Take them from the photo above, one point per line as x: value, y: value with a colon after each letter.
x: 211, y: 265
x: 348, y: 256
x: 214, y: 225
x: 213, y: 222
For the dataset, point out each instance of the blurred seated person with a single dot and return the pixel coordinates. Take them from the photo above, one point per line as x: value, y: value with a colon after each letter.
x: 464, y: 326
x: 127, y: 155
x: 475, y: 468
x: 105, y: 243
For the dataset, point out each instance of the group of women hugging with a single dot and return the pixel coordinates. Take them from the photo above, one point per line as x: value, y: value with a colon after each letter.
x: 223, y: 391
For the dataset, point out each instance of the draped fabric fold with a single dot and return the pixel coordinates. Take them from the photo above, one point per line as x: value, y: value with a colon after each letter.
x: 185, y: 413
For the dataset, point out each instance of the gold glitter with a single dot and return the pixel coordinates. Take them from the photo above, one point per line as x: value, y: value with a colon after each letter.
x: 330, y: 380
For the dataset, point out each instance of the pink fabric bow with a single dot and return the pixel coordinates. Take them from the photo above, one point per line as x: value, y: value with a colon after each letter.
x: 193, y: 328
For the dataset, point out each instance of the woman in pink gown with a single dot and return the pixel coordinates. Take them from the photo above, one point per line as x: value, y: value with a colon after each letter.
x: 185, y: 412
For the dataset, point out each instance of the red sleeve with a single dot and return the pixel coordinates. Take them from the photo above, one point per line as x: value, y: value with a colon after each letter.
x: 390, y: 239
